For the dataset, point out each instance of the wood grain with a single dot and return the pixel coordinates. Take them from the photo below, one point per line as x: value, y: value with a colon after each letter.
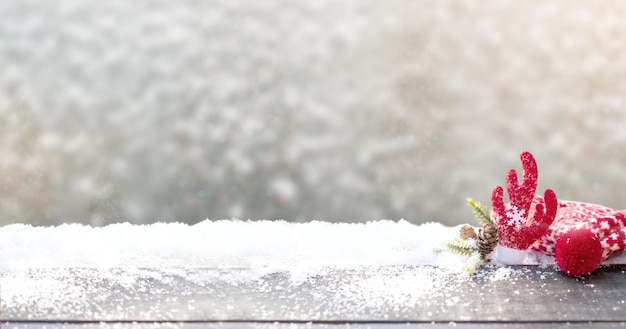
x: 401, y: 294
x: 307, y: 325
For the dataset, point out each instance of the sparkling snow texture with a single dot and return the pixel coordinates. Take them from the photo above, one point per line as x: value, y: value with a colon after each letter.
x: 74, y: 270
x: 272, y: 245
x: 268, y: 245
x: 319, y: 269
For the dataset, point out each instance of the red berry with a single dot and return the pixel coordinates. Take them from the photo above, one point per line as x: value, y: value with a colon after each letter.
x: 578, y: 252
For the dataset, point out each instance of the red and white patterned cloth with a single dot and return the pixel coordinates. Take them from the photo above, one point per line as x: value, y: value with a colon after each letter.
x: 579, y: 235
x: 607, y: 224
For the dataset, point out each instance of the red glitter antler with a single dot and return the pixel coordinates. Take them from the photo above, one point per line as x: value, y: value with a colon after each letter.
x: 519, y: 225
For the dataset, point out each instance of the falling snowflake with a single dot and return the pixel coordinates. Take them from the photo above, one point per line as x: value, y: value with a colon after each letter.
x: 516, y: 217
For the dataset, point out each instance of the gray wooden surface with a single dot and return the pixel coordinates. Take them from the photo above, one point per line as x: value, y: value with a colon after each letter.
x: 307, y: 325
x: 512, y: 297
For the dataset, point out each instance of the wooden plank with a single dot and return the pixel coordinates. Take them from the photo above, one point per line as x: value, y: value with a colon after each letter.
x: 306, y: 325
x: 385, y: 294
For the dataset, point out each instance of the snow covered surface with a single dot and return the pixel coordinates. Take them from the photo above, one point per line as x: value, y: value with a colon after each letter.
x: 268, y: 245
x: 76, y: 271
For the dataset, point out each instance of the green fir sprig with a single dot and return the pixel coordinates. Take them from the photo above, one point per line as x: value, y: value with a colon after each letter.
x: 461, y: 247
x: 481, y: 213
x: 470, y: 244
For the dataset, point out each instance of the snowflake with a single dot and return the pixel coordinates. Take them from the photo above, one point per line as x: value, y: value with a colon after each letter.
x: 604, y: 225
x: 516, y: 218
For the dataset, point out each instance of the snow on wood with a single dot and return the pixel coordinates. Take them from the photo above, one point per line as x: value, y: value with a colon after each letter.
x: 363, y: 294
x: 266, y: 271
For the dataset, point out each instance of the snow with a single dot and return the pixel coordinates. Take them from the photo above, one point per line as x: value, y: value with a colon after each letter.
x: 331, y: 269
x: 77, y: 269
x: 510, y: 256
x: 271, y: 245
x: 298, y: 248
x: 502, y: 273
x: 298, y: 111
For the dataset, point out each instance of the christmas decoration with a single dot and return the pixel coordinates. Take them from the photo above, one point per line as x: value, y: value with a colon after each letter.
x: 519, y: 223
x: 463, y: 247
x: 578, y: 235
x: 476, y: 246
x: 487, y: 237
x: 487, y: 240
x: 467, y: 232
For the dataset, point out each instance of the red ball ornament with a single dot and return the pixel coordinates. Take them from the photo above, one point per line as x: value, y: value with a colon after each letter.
x: 578, y: 252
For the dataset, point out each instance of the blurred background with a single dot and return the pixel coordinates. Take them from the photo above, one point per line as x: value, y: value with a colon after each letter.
x: 334, y: 110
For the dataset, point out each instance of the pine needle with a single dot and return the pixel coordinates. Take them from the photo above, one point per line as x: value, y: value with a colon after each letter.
x: 437, y: 251
x: 481, y: 213
x: 461, y: 247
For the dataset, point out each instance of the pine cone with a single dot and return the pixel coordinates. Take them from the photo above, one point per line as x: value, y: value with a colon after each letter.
x: 467, y: 232
x: 487, y: 239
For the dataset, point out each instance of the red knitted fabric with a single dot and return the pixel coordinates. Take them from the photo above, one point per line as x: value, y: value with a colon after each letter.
x: 579, y: 235
x: 608, y: 224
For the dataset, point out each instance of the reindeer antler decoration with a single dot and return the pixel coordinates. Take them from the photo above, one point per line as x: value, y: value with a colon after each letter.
x: 519, y: 225
x: 578, y: 235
